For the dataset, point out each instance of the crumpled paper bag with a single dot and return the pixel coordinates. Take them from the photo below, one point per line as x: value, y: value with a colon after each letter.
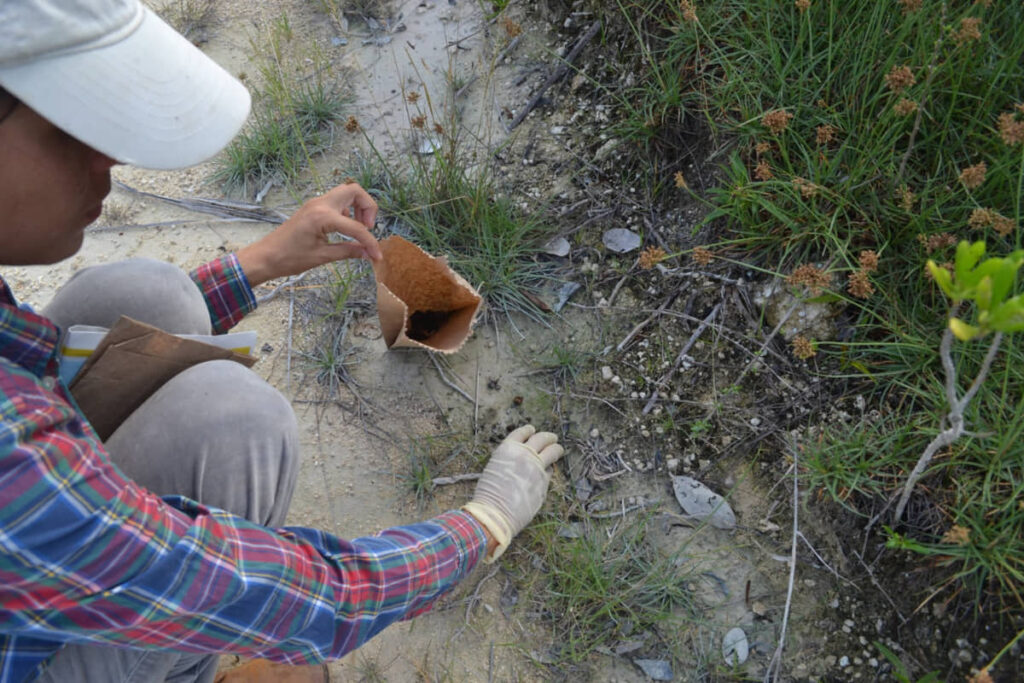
x: 421, y: 302
x: 131, y: 362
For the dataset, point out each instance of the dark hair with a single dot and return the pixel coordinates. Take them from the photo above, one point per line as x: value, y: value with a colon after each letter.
x: 8, y: 103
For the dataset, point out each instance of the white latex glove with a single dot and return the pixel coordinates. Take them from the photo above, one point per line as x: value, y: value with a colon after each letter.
x: 514, y: 483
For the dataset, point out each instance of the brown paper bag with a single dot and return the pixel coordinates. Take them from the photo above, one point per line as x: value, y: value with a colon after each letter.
x: 422, y: 302
x: 131, y: 362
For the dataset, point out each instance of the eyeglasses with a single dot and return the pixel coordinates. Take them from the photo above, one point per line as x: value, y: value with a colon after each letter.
x: 8, y: 103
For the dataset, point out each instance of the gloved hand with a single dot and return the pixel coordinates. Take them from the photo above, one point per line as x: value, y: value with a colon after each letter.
x: 514, y: 483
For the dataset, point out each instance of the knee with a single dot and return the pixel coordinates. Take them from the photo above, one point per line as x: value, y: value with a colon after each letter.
x: 236, y: 397
x: 150, y: 291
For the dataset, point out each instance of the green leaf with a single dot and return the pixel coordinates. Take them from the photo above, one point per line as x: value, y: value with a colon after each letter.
x: 983, y: 294
x: 962, y: 330
x: 942, y: 278
x: 967, y: 256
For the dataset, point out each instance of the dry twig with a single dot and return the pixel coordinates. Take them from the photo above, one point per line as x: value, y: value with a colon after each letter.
x: 679, y: 358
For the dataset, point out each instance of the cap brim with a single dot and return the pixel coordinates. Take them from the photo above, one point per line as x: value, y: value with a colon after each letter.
x: 152, y: 99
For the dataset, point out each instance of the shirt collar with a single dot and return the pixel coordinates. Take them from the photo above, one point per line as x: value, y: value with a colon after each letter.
x: 26, y: 338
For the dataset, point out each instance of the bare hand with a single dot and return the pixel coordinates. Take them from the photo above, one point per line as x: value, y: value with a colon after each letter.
x: 303, y: 241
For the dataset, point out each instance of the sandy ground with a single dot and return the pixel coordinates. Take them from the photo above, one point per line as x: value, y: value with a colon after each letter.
x: 351, y: 481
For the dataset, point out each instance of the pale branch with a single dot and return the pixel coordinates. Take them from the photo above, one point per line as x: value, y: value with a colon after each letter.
x: 955, y: 417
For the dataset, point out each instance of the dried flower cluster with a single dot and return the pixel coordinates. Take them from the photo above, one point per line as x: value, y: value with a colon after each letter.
x: 806, y: 187
x: 688, y: 10
x: 910, y: 5
x: 968, y: 31
x: 935, y: 242
x: 907, y: 198
x: 803, y: 348
x: 512, y: 28
x: 983, y: 676
x: 803, y: 5
x: 439, y: 129
x: 859, y: 285
x: 868, y: 260
x: 900, y: 78
x: 983, y: 218
x: 1011, y: 130
x: 813, y: 278
x: 352, y: 125
x: 763, y: 171
x: 702, y: 256
x: 680, y: 180
x: 824, y: 134
x: 973, y: 176
x: 763, y: 148
x: 904, y: 107
x: 651, y: 256
x: 776, y: 121
x: 418, y: 122
x: 412, y: 97
x: 957, y: 535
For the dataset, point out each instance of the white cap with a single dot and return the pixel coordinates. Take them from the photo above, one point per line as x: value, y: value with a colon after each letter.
x: 115, y: 76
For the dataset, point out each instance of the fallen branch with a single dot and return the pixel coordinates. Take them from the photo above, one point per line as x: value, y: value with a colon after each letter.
x: 558, y: 74
x: 776, y: 662
x: 217, y: 207
x: 444, y: 378
x: 454, y: 479
x: 679, y: 358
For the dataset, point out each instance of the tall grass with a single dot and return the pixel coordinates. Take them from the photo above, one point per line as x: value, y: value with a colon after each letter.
x: 892, y: 127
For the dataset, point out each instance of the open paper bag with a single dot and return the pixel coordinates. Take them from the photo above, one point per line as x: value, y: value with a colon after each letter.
x: 422, y: 302
x: 131, y: 362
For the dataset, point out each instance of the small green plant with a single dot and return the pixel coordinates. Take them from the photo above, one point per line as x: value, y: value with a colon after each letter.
x: 899, y: 669
x: 987, y: 286
x: 698, y: 427
x: 420, y: 479
x: 296, y: 105
x: 194, y: 19
x: 602, y: 587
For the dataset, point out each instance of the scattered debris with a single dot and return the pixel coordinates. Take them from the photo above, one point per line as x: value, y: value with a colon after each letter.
x: 703, y: 504
x: 656, y: 669
x: 621, y: 240
x: 735, y: 648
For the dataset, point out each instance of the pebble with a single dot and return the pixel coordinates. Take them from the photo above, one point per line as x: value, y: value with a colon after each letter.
x: 672, y: 464
x: 594, y: 433
x: 606, y: 372
x: 844, y: 661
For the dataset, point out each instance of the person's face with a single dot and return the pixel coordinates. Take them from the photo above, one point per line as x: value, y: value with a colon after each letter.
x: 51, y: 187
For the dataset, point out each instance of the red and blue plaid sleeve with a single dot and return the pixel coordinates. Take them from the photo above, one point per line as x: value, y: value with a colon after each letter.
x: 87, y: 555
x: 226, y: 290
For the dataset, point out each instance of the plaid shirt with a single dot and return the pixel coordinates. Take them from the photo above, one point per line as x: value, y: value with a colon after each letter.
x: 88, y: 555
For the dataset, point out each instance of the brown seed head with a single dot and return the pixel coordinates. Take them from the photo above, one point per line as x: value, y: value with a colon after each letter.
x: 512, y: 28
x: 900, y: 78
x: 1010, y: 129
x: 802, y: 347
x: 439, y: 129
x: 935, y: 242
x: 910, y: 5
x: 688, y: 10
x: 776, y: 121
x: 811, y: 277
x: 763, y: 171
x: 1003, y: 225
x: 983, y: 676
x: 680, y: 180
x: 824, y: 134
x: 904, y: 107
x: 702, y: 256
x: 806, y: 187
x: 907, y: 198
x: 763, y: 147
x: 957, y: 535
x: 803, y: 5
x: 412, y: 97
x: 868, y: 259
x: 352, y: 125
x: 973, y: 176
x: 859, y: 285
x: 968, y: 31
x: 981, y: 218
x: 651, y: 256
x: 348, y: 180
x: 418, y: 122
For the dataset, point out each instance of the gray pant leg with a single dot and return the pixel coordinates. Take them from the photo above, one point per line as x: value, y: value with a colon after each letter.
x: 216, y: 433
x: 152, y: 292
